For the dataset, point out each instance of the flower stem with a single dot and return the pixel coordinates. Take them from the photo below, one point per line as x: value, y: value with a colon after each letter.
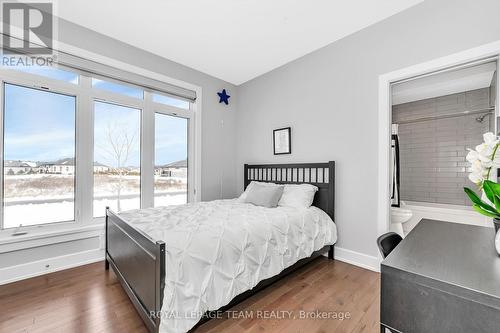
x: 492, y: 159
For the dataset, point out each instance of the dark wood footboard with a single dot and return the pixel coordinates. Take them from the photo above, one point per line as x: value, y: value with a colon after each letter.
x: 139, y: 263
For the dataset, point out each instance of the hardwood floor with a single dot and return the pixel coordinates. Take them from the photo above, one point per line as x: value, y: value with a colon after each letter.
x: 90, y: 299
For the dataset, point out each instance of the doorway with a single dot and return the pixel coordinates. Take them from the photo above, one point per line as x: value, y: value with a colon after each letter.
x: 435, y: 119
x: 466, y: 59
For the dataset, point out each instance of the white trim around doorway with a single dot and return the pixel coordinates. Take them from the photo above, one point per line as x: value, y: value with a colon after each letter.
x: 491, y: 50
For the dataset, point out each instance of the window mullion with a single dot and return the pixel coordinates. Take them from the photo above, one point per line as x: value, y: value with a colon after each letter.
x: 147, y: 153
x: 84, y: 153
x: 192, y: 195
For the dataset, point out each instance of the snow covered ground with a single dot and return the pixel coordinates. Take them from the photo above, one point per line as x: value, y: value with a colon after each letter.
x: 32, y: 214
x: 38, y: 199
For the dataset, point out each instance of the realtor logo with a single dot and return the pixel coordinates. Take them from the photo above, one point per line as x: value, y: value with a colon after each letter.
x: 27, y: 27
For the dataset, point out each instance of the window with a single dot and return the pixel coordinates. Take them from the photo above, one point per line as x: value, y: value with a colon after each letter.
x: 116, y: 157
x: 73, y: 144
x: 39, y: 137
x: 171, y: 167
x: 167, y: 100
x: 117, y: 88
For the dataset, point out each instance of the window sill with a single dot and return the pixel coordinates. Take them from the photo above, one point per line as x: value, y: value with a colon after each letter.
x: 48, y: 236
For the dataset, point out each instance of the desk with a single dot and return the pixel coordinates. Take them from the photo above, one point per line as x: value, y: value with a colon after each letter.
x: 443, y: 277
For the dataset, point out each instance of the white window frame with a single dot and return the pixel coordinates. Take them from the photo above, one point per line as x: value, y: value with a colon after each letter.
x: 180, y: 113
x: 49, y: 85
x: 85, y: 96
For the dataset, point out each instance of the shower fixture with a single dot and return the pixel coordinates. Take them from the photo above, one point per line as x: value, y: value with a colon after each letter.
x: 480, y: 119
x: 482, y: 112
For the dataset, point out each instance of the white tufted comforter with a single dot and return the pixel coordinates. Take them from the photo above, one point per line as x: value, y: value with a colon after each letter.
x: 219, y: 249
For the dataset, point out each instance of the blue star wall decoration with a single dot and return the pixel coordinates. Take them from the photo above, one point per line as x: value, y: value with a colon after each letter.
x: 223, y: 97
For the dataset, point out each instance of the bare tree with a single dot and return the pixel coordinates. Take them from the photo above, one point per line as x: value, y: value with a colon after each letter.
x: 118, y: 147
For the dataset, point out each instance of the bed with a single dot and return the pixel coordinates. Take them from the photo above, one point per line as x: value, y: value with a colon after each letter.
x: 244, y: 248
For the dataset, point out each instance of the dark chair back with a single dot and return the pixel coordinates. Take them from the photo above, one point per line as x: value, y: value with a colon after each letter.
x: 387, y: 242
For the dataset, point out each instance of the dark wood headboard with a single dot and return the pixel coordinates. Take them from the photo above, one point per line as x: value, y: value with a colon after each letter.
x: 321, y: 175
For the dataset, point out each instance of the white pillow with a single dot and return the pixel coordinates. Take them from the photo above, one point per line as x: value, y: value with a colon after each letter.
x: 298, y: 196
x: 243, y: 196
x: 264, y: 195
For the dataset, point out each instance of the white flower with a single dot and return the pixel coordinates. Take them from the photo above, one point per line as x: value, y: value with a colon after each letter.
x: 496, y: 161
x: 484, y: 151
x: 482, y: 159
x: 487, y: 164
x: 490, y: 139
x: 472, y: 156
x: 476, y: 178
x: 477, y: 167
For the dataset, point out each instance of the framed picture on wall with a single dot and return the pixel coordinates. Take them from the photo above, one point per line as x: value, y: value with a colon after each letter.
x: 282, y: 143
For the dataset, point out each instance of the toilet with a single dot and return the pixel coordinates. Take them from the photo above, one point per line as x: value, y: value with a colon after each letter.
x: 399, y: 215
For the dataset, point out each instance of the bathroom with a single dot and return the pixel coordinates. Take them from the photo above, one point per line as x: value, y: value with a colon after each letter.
x: 435, y: 119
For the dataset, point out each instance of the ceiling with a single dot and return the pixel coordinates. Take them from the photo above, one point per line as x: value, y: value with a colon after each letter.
x: 443, y: 84
x: 234, y: 40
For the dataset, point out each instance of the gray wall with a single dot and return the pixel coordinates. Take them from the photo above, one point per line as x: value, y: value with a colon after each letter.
x: 432, y: 153
x: 330, y: 99
x: 32, y: 254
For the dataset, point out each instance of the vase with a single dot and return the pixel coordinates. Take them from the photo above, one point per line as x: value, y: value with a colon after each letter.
x: 496, y: 223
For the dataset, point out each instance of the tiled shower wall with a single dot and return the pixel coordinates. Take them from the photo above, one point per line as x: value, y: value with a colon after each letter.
x: 433, y: 167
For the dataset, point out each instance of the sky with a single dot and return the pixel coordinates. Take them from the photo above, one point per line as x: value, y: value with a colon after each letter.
x: 40, y: 126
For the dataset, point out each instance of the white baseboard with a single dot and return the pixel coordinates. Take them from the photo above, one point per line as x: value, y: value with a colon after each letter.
x: 36, y: 268
x: 357, y: 259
